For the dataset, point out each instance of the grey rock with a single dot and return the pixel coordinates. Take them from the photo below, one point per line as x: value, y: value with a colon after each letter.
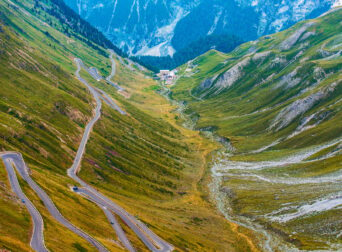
x: 299, y: 107
x: 161, y: 27
x: 293, y: 38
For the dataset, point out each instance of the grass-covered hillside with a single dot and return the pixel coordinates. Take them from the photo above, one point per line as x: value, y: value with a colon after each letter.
x: 278, y: 101
x: 144, y: 161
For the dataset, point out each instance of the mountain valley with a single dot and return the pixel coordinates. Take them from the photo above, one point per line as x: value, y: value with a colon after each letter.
x: 242, y: 151
x: 143, y: 161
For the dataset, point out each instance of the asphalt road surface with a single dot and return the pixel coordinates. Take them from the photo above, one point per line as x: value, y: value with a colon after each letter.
x: 112, y: 220
x: 112, y: 74
x: 100, y: 94
x: 107, y: 99
x: 14, y: 160
x: 37, y: 241
x: 150, y: 239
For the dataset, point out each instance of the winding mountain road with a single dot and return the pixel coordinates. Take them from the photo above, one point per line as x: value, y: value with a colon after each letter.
x: 150, y: 239
x: 96, y: 91
x: 37, y: 242
x: 111, y: 218
x: 111, y: 56
x: 116, y: 226
x: 112, y: 74
x: 107, y: 99
x: 15, y: 160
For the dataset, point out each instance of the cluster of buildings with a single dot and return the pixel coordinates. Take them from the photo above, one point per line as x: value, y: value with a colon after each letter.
x: 167, y: 76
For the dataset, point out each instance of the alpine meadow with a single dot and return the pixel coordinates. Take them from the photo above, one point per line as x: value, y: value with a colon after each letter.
x: 170, y: 125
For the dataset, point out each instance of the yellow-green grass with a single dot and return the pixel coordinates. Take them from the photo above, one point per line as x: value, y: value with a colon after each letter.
x: 43, y: 113
x: 42, y: 117
x: 244, y: 113
x: 15, y: 231
x: 168, y: 192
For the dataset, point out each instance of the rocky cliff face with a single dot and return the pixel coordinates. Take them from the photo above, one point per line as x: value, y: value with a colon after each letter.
x: 159, y: 28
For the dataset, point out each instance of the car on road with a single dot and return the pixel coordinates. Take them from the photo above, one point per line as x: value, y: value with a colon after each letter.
x: 22, y: 200
x: 75, y: 188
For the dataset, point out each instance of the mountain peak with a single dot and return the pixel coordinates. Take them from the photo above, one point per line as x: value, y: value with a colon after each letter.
x: 161, y: 28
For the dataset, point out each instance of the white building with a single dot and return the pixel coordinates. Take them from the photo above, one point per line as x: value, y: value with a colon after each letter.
x: 167, y: 75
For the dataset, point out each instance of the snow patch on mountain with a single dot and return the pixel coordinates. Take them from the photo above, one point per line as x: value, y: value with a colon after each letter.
x: 217, y: 18
x: 337, y: 3
x: 112, y: 16
x: 149, y: 27
x: 100, y: 5
x: 164, y: 34
x: 283, y: 9
x: 167, y: 31
x: 255, y: 2
x: 163, y: 48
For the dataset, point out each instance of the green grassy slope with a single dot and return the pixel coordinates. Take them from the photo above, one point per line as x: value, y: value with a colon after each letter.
x: 275, y: 99
x: 143, y: 161
x: 43, y: 111
x: 271, y: 80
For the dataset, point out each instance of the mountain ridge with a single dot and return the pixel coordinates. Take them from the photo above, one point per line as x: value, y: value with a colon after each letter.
x: 258, y: 170
x: 162, y: 28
